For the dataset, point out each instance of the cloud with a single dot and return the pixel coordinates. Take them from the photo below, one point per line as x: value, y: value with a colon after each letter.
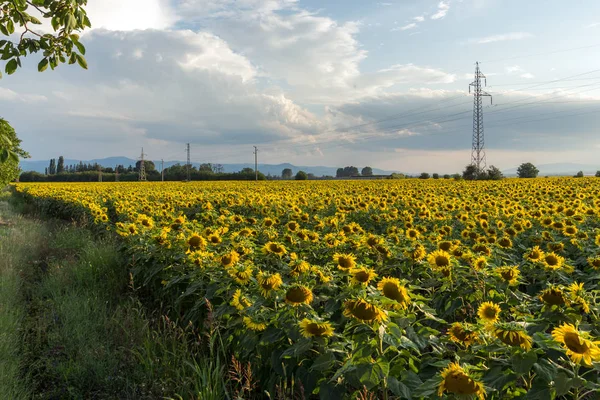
x: 405, y: 27
x: 502, y: 37
x: 527, y: 75
x: 384, y: 4
x: 11, y: 95
x: 443, y: 8
x: 512, y: 69
x: 592, y: 25
x: 419, y: 18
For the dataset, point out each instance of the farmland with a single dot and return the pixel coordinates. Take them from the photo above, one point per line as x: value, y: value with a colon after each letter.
x: 391, y: 289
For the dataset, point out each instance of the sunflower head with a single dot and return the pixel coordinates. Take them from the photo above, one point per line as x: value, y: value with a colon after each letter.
x: 509, y: 274
x: 229, y: 259
x: 594, y: 262
x: 535, y: 254
x: 274, y: 248
x: 479, y: 263
x: 310, y: 328
x: 254, y: 325
x: 345, y: 262
x: 394, y: 290
x: 463, y: 333
x: 364, y: 311
x: 456, y: 380
x: 298, y: 294
x: 553, y: 261
x: 362, y: 276
x: 553, y: 296
x: 268, y: 282
x: 439, y: 259
x: 512, y: 334
x: 578, y: 345
x: 489, y: 312
x: 505, y: 242
x: 239, y: 301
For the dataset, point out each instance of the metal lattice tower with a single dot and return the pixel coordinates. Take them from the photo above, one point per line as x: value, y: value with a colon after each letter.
x: 478, y: 151
x: 189, y: 163
x: 255, y: 163
x: 142, y: 176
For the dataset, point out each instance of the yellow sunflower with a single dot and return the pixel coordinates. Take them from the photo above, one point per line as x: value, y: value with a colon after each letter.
x: 268, y: 282
x: 489, y: 312
x: 274, y: 248
x: 463, y: 333
x: 345, y: 262
x: 239, y: 301
x: 298, y: 294
x: 310, y: 328
x: 509, y: 274
x: 479, y: 263
x: 241, y: 273
x: 513, y: 335
x: 229, y: 259
x: 364, y: 311
x: 456, y: 380
x: 578, y: 345
x: 439, y: 259
x: 394, y: 290
x: 362, y: 276
x: 553, y: 261
x: 553, y: 296
x: 535, y: 254
x: 594, y: 262
x: 253, y: 325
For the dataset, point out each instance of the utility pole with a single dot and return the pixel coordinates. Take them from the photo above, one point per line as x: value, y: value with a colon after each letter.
x: 142, y: 175
x: 478, y: 151
x: 99, y: 173
x: 162, y: 170
x: 256, y: 163
x: 117, y: 173
x: 189, y: 163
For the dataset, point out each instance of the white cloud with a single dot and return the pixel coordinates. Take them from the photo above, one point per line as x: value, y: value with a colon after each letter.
x: 405, y: 27
x: 513, y: 69
x: 443, y: 8
x: 420, y: 18
x: 502, y: 37
x: 592, y: 25
x: 384, y: 4
x: 11, y: 95
x: 527, y: 76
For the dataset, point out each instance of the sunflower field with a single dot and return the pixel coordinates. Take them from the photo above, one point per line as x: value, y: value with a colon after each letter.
x: 405, y: 289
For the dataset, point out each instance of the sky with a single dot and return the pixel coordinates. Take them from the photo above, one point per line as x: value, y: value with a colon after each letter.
x: 320, y: 82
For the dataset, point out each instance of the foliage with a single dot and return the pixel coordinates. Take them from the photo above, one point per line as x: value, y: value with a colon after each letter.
x: 396, y: 175
x: 424, y: 175
x: 287, y: 173
x: 435, y: 176
x: 9, y: 166
x: 374, y: 288
x: 597, y: 174
x: 346, y: 172
x: 17, y: 19
x: 579, y: 174
x: 527, y: 170
x: 470, y: 173
x: 301, y: 176
x: 367, y: 171
x: 494, y: 173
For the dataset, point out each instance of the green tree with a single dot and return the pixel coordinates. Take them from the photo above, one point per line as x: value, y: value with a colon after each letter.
x: 424, y: 175
x: 435, y: 176
x: 579, y: 175
x: 446, y: 176
x: 9, y: 169
x: 470, y: 173
x: 527, y: 170
x: 597, y: 174
x: 286, y: 173
x: 66, y: 17
x: 60, y: 168
x: 148, y: 166
x: 367, y: 171
x: 494, y: 173
x: 301, y: 176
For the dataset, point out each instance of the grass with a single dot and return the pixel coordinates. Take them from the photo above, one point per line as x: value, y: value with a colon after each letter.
x: 71, y: 328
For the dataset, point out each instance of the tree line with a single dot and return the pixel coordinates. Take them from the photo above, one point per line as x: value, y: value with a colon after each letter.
x: 57, y: 171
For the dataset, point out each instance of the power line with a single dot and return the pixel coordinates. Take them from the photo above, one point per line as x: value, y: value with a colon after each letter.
x: 478, y: 147
x: 142, y: 173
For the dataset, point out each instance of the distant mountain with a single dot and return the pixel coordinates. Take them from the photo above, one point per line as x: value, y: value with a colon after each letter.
x: 267, y: 169
x: 560, y: 169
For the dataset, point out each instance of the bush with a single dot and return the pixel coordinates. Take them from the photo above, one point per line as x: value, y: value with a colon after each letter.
x: 579, y: 175
x: 446, y: 176
x: 424, y: 175
x: 527, y: 170
x: 301, y: 176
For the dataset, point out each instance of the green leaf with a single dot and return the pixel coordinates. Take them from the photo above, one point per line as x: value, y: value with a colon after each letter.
x: 81, y: 61
x: 545, y: 370
x: 399, y: 388
x: 4, y: 30
x: 10, y: 26
x: 80, y: 47
x: 562, y: 384
x: 11, y: 66
x: 522, y: 363
x: 371, y: 374
x: 3, y: 155
x: 323, y: 362
x: 43, y: 65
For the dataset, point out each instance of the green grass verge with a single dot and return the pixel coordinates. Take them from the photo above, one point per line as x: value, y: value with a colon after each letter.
x: 72, y: 329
